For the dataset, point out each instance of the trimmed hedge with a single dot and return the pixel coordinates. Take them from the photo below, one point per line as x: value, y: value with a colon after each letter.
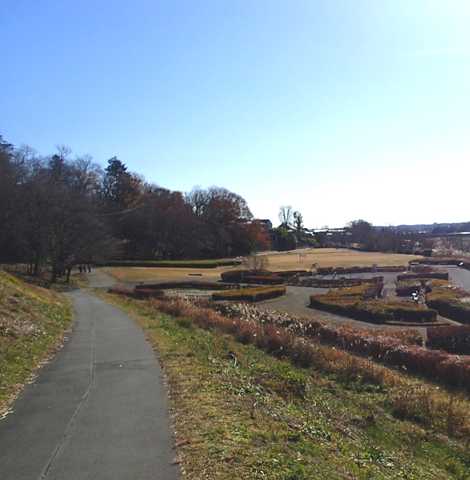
x: 264, y: 279
x: 249, y: 276
x: 424, y: 276
x: 239, y: 275
x: 140, y: 294
x: 458, y: 262
x: 360, y: 303
x: 293, y: 273
x: 452, y: 339
x: 406, y: 287
x: 345, y: 270
x: 338, y: 282
x: 374, y: 311
x: 188, y: 285
x: 170, y: 263
x: 251, y: 294
x: 449, y: 307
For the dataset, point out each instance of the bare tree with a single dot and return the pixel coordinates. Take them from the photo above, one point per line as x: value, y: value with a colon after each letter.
x: 256, y: 263
x: 298, y: 221
x: 286, y: 215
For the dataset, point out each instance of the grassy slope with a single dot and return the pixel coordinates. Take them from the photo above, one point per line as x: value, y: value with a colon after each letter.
x: 240, y: 413
x: 32, y: 323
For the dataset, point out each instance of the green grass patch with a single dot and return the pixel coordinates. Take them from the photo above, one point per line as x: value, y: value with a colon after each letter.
x: 32, y: 323
x: 241, y: 413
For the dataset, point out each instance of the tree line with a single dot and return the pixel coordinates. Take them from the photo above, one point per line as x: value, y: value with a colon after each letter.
x: 58, y: 211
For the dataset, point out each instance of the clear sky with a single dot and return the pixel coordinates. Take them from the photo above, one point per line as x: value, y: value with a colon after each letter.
x: 343, y: 109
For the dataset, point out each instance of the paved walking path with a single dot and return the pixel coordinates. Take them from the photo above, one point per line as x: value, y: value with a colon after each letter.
x: 98, y: 411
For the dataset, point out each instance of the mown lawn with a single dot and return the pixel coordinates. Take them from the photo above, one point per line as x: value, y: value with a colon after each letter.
x: 242, y: 414
x: 32, y: 324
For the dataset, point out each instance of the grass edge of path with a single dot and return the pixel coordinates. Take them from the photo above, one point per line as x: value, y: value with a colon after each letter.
x: 23, y: 355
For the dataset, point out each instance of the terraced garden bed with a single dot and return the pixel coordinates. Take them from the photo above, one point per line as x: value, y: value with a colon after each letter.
x: 362, y: 303
x: 451, y: 303
x: 452, y: 339
x: 250, y: 294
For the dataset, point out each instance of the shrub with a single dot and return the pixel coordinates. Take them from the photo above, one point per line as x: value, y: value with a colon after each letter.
x: 406, y: 287
x: 337, y: 282
x: 239, y: 275
x: 374, y: 311
x: 292, y: 273
x: 452, y: 339
x: 119, y: 290
x: 264, y: 279
x: 250, y: 276
x: 448, y: 303
x: 456, y: 261
x: 413, y: 403
x: 187, y: 285
x: 424, y: 275
x: 360, y: 302
x: 250, y: 294
x: 141, y: 293
x: 359, y: 269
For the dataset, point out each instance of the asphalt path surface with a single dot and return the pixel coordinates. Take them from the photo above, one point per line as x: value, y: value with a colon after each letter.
x: 97, y: 411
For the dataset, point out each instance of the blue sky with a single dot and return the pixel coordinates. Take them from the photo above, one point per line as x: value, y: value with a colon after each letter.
x: 343, y: 109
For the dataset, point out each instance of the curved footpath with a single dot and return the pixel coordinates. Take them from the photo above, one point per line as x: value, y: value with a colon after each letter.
x: 97, y: 411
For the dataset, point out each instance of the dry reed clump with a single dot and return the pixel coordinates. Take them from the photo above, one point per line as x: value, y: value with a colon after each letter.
x: 432, y: 409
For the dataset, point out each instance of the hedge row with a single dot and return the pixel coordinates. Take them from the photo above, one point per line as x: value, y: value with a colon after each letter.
x: 406, y: 287
x: 459, y: 262
x: 292, y: 273
x: 345, y: 270
x: 449, y: 307
x: 188, y: 285
x: 251, y: 294
x: 337, y: 282
x: 424, y: 276
x: 170, y: 263
x: 374, y: 311
x: 140, y: 294
x: 249, y: 276
x: 452, y: 339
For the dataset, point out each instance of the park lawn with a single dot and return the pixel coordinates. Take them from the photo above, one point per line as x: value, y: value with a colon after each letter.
x: 32, y: 324
x: 241, y: 413
x: 301, y: 259
x: 149, y: 274
x: 333, y: 257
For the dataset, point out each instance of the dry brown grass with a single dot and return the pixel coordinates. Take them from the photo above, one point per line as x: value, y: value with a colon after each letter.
x: 278, y: 261
x: 32, y: 324
x: 149, y: 274
x: 332, y: 257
